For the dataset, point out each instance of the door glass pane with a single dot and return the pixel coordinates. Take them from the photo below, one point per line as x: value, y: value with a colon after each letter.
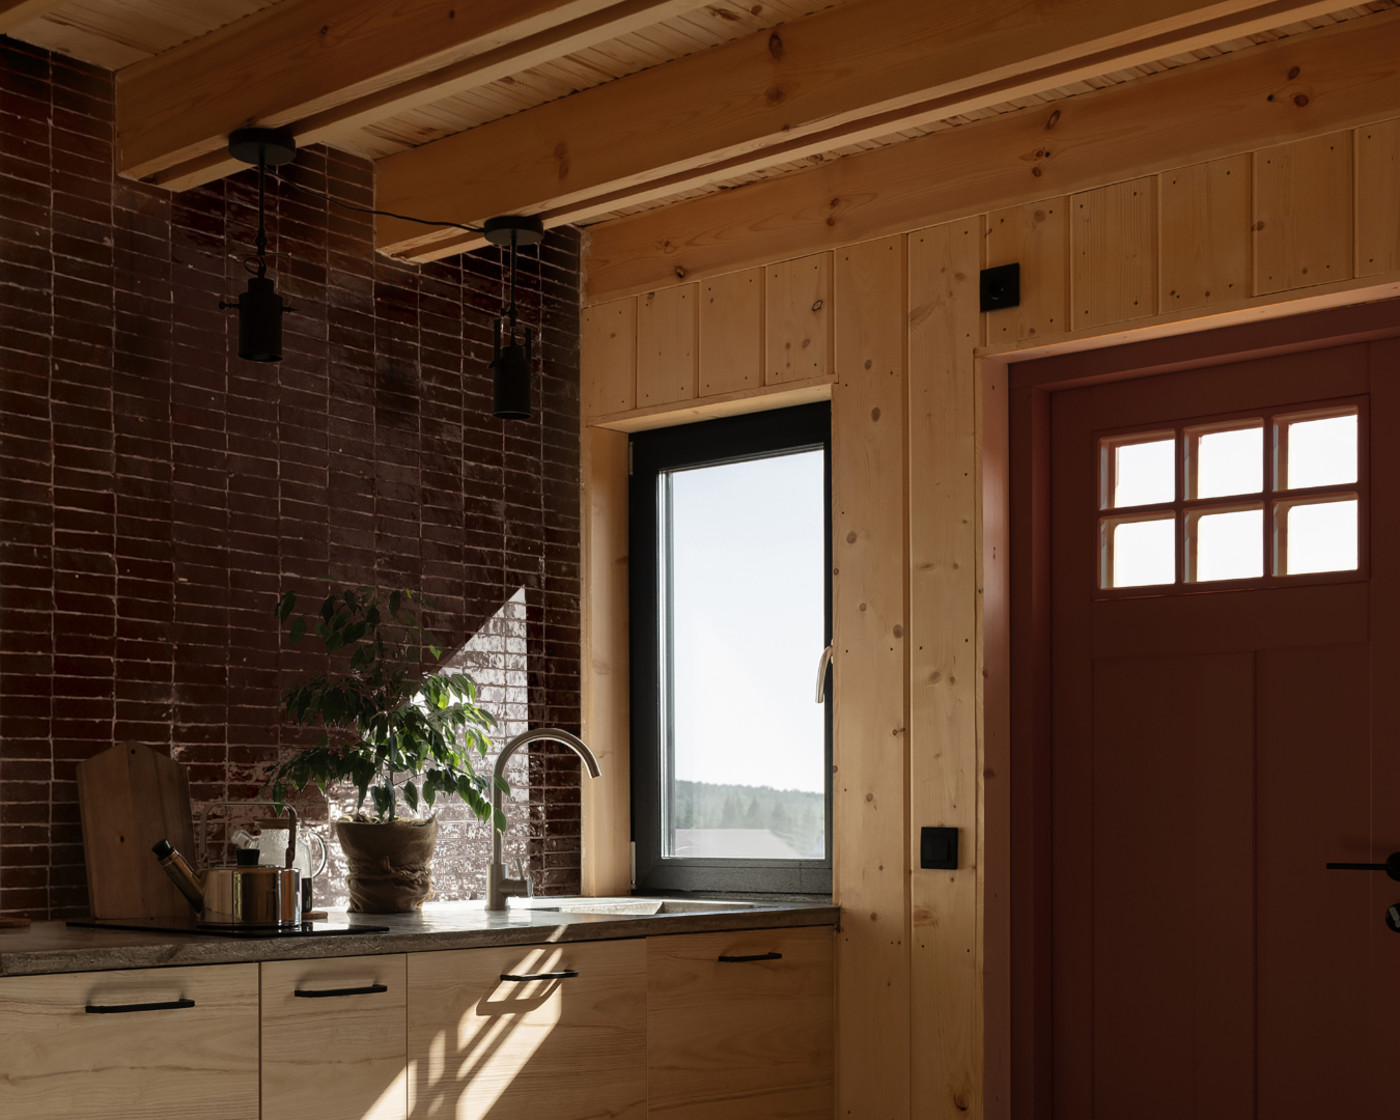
x: 1144, y: 473
x: 1226, y: 461
x: 1227, y: 545
x: 1320, y: 452
x: 1141, y: 553
x: 746, y: 603
x: 1317, y: 537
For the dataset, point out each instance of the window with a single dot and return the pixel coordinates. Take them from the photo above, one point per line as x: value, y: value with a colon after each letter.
x: 1220, y: 502
x: 730, y: 611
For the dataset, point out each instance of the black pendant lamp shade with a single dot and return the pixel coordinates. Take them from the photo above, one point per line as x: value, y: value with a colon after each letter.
x: 260, y: 308
x: 513, y: 363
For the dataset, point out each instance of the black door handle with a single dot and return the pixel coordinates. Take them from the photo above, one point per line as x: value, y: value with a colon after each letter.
x: 1391, y: 866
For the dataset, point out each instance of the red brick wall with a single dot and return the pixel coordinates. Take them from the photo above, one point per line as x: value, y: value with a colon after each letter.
x: 157, y: 493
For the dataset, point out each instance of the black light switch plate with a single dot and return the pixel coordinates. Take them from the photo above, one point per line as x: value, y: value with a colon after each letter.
x: 938, y: 848
x: 1000, y: 287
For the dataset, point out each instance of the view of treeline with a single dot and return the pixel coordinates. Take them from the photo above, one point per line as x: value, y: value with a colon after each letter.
x: 792, y: 815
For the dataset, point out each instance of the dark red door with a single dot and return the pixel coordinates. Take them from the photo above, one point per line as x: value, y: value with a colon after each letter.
x: 1226, y: 696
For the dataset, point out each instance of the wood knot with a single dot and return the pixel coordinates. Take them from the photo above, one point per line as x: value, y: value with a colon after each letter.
x: 875, y: 414
x: 851, y: 537
x: 774, y: 95
x: 681, y: 272
x: 898, y: 630
x: 817, y: 305
x: 1052, y: 120
x: 1300, y: 100
x: 1036, y: 172
x: 775, y: 45
x: 561, y: 157
x: 868, y: 363
x: 1293, y: 72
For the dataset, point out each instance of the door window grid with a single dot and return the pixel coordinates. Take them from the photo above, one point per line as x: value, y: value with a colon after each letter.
x: 1214, y: 487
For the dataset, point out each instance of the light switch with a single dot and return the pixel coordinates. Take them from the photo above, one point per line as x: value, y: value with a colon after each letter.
x: 938, y: 848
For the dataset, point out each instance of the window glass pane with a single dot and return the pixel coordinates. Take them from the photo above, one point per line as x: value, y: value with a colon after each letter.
x: 1143, y: 552
x: 1320, y: 452
x: 1144, y: 473
x: 1227, y: 462
x: 1228, y: 545
x: 746, y: 775
x: 1318, y: 536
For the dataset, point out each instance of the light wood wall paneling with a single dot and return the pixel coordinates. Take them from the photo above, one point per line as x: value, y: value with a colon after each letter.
x: 1303, y: 213
x: 798, y: 314
x: 1205, y: 214
x: 1037, y: 236
x: 870, y: 811
x: 731, y: 333
x: 1378, y: 198
x: 608, y: 358
x: 1113, y: 253
x: 605, y: 715
x: 1100, y: 137
x: 666, y: 345
x: 944, y: 328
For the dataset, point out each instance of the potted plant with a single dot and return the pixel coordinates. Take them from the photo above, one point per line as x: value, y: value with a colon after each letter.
x: 401, y: 735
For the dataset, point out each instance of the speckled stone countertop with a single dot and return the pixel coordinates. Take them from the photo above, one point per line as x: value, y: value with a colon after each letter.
x: 56, y: 947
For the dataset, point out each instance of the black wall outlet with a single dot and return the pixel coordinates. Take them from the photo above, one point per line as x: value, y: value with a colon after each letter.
x: 938, y: 848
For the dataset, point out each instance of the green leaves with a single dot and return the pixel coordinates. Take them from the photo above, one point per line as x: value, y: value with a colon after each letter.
x: 388, y: 728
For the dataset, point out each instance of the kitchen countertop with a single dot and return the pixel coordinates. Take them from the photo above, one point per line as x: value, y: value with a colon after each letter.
x: 55, y: 947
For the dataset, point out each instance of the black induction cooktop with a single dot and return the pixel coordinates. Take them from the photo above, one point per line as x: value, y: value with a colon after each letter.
x: 190, y: 925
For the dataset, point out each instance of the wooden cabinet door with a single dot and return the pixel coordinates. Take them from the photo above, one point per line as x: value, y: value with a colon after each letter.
x: 739, y: 1025
x: 144, y: 1044
x: 570, y: 1045
x: 333, y: 1039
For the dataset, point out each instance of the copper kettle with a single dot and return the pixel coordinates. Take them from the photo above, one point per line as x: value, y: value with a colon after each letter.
x: 244, y: 895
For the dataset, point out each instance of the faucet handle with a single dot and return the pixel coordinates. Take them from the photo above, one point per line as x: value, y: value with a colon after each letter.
x: 524, y: 878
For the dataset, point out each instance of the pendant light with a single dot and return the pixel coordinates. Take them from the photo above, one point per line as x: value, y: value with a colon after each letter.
x: 513, y: 363
x: 260, y: 308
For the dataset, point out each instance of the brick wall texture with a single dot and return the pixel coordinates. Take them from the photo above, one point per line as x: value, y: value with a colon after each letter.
x: 157, y: 493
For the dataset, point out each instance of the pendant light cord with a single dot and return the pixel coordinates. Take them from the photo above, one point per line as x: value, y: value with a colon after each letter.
x: 261, y: 242
x: 371, y: 210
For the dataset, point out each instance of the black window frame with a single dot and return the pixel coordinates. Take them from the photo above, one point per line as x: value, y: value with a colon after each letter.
x: 708, y: 443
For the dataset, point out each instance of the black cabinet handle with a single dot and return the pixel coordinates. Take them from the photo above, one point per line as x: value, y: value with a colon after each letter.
x: 565, y: 974
x: 1391, y: 866
x: 326, y: 993
x: 123, y: 1008
x: 755, y: 957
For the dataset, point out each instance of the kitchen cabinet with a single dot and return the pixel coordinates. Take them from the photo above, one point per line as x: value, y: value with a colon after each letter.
x: 529, y: 1032
x: 333, y: 1038
x: 740, y: 1025
x: 145, y: 1044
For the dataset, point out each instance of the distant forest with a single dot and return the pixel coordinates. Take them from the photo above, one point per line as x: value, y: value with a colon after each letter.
x: 792, y: 815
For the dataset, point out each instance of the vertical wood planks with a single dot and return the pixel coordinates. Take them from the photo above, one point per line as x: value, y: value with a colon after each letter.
x: 944, y: 768
x: 731, y: 333
x: 1113, y: 253
x: 605, y: 715
x: 798, y: 319
x: 1205, y: 216
x: 870, y: 810
x: 1037, y: 236
x: 1303, y: 213
x: 608, y: 358
x: 1378, y: 198
x: 666, y: 345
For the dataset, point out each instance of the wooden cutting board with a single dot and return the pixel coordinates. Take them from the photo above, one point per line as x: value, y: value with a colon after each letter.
x: 131, y: 796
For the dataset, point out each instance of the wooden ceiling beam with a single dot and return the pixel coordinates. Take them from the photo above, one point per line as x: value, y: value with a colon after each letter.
x: 1308, y: 85
x: 323, y: 66
x: 16, y: 13
x: 860, y: 70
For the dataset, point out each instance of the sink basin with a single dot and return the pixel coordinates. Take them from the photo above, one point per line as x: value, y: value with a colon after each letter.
x: 641, y: 906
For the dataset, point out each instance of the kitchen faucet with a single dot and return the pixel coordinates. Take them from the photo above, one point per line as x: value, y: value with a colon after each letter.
x: 500, y: 886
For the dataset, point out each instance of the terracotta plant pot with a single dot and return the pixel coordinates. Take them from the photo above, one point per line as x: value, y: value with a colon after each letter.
x: 388, y: 864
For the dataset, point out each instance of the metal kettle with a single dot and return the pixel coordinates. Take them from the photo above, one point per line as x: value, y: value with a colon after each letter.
x: 245, y: 895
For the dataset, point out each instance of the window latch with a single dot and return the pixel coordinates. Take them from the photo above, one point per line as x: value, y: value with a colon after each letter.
x: 822, y: 666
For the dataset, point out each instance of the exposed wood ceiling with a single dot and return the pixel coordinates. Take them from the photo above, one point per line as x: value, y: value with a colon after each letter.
x: 586, y: 110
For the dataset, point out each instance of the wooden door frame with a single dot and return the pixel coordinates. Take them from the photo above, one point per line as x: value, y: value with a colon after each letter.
x: 1015, y: 391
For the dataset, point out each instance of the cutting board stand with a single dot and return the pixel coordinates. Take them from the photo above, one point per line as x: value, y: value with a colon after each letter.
x: 131, y: 796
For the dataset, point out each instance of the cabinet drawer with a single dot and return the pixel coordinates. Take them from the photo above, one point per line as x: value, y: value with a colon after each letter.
x: 59, y: 1060
x: 336, y: 1051
x: 566, y: 1048
x: 751, y: 1038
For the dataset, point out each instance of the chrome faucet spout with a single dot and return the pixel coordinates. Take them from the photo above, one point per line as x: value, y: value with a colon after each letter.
x: 499, y: 886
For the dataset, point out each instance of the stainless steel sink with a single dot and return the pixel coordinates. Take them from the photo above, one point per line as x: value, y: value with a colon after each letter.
x: 639, y: 906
